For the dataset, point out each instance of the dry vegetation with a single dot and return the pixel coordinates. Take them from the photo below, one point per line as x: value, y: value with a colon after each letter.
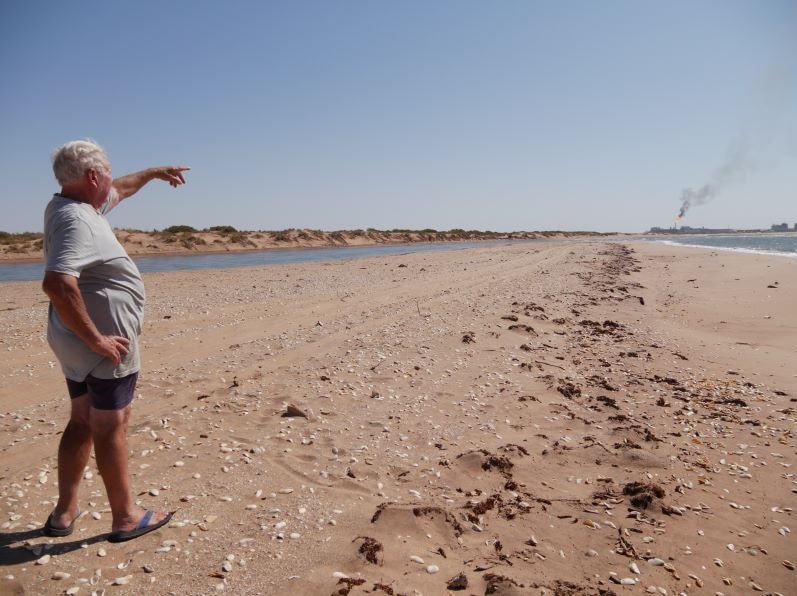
x: 187, y: 239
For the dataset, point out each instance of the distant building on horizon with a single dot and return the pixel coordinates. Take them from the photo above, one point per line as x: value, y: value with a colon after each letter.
x: 779, y: 227
x: 690, y: 230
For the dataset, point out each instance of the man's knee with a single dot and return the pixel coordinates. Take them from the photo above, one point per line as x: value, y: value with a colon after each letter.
x: 108, y: 422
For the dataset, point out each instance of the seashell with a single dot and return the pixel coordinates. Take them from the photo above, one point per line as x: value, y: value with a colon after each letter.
x: 634, y: 567
x: 416, y: 559
x: 432, y: 569
x: 95, y: 579
x: 656, y: 562
x: 122, y: 581
x: 788, y: 565
x: 43, y: 560
x: 61, y: 575
x: 339, y: 575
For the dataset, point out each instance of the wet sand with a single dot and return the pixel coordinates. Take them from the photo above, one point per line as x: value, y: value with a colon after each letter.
x: 574, y: 418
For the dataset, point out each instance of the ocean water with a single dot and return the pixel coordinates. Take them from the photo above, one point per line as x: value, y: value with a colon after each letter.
x: 784, y: 244
x: 35, y: 271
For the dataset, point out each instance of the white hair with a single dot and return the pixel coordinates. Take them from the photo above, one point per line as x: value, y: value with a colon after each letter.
x: 73, y: 159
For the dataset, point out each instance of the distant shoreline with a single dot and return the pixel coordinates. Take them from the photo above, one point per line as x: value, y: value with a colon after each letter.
x: 711, y: 231
x: 197, y: 242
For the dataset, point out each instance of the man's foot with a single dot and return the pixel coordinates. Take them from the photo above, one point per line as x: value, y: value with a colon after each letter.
x: 149, y: 522
x: 58, y: 525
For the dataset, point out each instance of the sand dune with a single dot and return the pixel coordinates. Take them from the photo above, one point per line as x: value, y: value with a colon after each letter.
x: 183, y: 240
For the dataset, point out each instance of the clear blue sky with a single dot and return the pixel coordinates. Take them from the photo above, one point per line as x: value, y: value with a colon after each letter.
x: 443, y: 114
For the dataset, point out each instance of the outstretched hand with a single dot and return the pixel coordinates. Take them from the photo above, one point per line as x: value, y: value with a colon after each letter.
x: 171, y: 174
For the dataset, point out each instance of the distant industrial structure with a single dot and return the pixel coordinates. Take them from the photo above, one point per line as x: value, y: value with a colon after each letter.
x: 689, y: 230
x: 781, y: 227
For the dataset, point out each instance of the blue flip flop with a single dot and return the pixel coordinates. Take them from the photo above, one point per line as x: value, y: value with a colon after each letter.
x: 141, y: 529
x: 50, y: 530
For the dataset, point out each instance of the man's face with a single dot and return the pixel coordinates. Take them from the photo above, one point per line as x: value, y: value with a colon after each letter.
x: 103, y: 180
x: 107, y: 181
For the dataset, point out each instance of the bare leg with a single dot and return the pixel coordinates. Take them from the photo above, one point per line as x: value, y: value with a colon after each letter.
x: 109, y: 429
x: 73, y: 455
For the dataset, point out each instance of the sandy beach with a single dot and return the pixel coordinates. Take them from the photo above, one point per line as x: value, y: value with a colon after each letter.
x: 563, y: 418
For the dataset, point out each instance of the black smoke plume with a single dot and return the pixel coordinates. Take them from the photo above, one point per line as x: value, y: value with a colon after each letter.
x: 735, y: 166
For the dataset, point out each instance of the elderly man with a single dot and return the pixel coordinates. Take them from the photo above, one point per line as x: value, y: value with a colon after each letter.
x: 96, y: 310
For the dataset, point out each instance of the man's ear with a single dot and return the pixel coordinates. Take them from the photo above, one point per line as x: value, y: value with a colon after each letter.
x: 91, y: 176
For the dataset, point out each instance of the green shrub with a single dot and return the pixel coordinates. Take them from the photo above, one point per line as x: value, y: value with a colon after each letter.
x: 241, y: 238
x: 224, y: 230
x: 179, y: 229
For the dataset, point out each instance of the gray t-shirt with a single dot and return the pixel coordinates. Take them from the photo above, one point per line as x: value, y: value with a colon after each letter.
x: 79, y: 241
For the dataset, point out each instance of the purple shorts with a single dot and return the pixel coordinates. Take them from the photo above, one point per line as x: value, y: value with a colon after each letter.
x: 105, y: 394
